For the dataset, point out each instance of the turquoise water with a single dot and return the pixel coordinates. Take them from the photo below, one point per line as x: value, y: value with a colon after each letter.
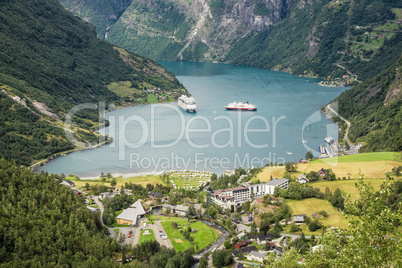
x: 155, y: 138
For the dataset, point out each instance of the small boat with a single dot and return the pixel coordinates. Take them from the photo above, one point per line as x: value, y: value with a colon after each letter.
x: 289, y: 153
x: 241, y: 106
x: 304, y: 141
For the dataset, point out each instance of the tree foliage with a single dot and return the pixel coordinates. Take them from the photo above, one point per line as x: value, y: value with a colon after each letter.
x: 43, y: 224
x: 373, y: 240
x: 222, y: 258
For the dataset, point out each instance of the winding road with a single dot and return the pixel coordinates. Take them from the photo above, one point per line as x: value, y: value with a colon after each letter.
x: 352, y: 147
x: 101, y: 208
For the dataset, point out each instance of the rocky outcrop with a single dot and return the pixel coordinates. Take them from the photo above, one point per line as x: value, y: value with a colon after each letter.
x: 395, y: 92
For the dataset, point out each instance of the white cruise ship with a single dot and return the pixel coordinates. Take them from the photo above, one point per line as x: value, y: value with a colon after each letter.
x: 241, y: 106
x: 187, y: 103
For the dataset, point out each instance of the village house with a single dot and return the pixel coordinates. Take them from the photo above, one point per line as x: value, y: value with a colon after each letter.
x: 279, y: 251
x: 153, y: 195
x: 242, y: 244
x: 256, y: 256
x: 130, y: 215
x: 322, y: 172
x: 299, y: 218
x: 181, y: 210
x: 105, y: 195
x: 263, y: 239
x: 127, y: 191
x: 302, y: 179
x: 244, y: 251
x: 91, y: 209
x: 238, y: 265
x: 251, y: 237
x: 68, y: 183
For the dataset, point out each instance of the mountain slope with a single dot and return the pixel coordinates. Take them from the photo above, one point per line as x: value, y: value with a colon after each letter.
x: 374, y: 109
x: 181, y: 30
x: 51, y: 61
x: 328, y: 39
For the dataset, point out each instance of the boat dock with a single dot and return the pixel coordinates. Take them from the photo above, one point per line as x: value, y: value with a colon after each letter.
x: 330, y: 150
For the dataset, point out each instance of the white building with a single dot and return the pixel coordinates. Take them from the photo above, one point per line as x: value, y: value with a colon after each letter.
x: 238, y: 195
x: 232, y: 196
x: 262, y: 189
x: 256, y: 256
x: 302, y: 179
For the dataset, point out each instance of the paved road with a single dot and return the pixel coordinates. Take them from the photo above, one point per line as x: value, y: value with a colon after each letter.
x: 100, y: 205
x: 124, y: 232
x: 156, y: 227
x: 353, y: 149
x: 243, y: 228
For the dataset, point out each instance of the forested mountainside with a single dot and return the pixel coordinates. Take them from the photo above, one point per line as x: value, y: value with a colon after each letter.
x: 353, y: 39
x: 374, y: 109
x: 51, y: 61
x: 42, y: 224
x: 196, y: 30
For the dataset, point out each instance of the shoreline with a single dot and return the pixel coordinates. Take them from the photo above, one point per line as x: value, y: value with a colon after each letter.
x: 124, y: 176
x: 77, y: 149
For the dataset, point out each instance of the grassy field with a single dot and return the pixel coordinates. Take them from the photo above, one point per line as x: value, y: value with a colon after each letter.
x: 123, y: 88
x: 149, y: 237
x: 204, y: 236
x: 364, y: 157
x: 371, y: 165
x: 142, y: 180
x: 189, y: 179
x: 398, y: 12
x: 311, y: 205
x: 346, y: 186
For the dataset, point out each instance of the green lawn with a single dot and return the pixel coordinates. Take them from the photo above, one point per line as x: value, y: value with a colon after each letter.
x: 398, y: 12
x: 123, y: 88
x: 310, y: 205
x: 152, y: 98
x: 346, y: 186
x: 204, y: 236
x: 149, y: 237
x: 364, y: 157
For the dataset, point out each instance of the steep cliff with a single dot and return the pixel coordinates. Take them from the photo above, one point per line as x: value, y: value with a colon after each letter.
x: 200, y: 30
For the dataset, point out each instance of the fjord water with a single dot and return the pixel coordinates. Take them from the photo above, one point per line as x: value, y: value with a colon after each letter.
x: 155, y: 138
